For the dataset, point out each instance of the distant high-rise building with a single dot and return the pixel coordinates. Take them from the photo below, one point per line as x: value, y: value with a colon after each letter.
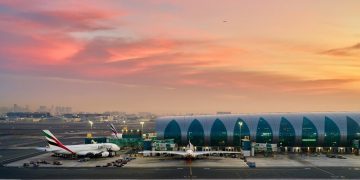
x: 27, y: 108
x: 15, y: 108
x: 223, y: 112
x: 42, y: 109
x: 68, y: 109
x: 4, y: 110
x: 59, y: 110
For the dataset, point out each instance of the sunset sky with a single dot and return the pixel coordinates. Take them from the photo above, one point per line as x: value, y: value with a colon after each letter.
x: 181, y: 56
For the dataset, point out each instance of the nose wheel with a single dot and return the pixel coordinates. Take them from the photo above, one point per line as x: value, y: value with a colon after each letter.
x: 188, y: 162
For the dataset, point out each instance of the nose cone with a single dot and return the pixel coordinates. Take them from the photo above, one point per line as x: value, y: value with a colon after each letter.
x: 116, y: 148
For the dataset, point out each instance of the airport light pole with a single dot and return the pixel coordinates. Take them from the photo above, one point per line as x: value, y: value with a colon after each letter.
x: 124, y: 123
x: 240, y: 124
x: 142, y: 127
x: 91, y: 125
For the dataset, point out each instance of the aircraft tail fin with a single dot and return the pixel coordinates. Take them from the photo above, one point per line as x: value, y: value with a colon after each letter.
x: 53, y: 141
x: 113, y: 129
x: 191, y: 146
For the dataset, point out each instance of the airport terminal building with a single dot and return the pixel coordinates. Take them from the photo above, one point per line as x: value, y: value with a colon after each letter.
x: 311, y: 131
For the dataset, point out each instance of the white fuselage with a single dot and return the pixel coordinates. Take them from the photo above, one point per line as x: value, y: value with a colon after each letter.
x: 82, y: 149
x: 190, y: 154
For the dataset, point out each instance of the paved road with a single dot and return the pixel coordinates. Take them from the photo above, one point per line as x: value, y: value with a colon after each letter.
x: 179, y: 173
x: 11, y: 155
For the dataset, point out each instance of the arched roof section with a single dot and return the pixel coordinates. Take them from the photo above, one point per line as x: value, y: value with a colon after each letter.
x: 252, y: 122
x: 332, y: 133
x: 317, y: 120
x: 172, y: 131
x: 244, y: 132
x: 264, y: 133
x: 206, y: 121
x: 218, y: 134
x: 353, y: 130
x: 286, y: 133
x: 309, y: 133
x: 340, y: 120
x: 196, y: 133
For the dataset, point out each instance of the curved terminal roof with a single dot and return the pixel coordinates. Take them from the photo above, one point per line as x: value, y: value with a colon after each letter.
x: 307, y: 129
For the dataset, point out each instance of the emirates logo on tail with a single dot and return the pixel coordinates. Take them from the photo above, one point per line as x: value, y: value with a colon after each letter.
x: 113, y: 129
x: 53, y: 141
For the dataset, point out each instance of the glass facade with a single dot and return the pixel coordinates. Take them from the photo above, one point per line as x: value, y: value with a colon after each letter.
x: 264, y: 132
x: 286, y: 133
x: 218, y: 134
x: 196, y: 133
x: 332, y: 133
x: 172, y: 131
x: 286, y: 130
x: 244, y: 132
x: 353, y: 130
x: 309, y: 134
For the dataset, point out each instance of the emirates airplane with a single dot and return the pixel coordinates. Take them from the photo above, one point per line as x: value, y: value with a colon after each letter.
x: 89, y: 150
x: 190, y: 152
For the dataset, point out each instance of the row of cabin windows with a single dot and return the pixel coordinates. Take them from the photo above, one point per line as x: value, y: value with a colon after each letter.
x: 264, y: 134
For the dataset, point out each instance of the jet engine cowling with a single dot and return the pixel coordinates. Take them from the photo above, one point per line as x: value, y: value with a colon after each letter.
x: 105, y: 154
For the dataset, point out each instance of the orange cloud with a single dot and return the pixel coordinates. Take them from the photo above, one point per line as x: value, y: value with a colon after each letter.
x: 264, y: 82
x: 346, y: 51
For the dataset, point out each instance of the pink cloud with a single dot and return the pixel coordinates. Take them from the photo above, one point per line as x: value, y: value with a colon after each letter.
x: 147, y: 53
x: 35, y: 35
x: 58, y: 20
x: 40, y: 42
x: 37, y: 49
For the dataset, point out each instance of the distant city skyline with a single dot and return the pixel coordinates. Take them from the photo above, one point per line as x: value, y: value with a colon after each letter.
x: 41, y: 108
x: 69, y: 110
x: 181, y: 56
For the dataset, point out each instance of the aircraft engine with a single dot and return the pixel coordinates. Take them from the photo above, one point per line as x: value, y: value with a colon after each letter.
x: 90, y: 155
x: 105, y: 154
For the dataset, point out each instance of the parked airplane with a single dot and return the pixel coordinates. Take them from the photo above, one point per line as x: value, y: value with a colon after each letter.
x: 190, y: 152
x: 89, y: 150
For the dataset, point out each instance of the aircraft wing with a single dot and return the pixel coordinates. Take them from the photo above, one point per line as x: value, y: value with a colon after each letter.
x: 42, y: 149
x: 85, y: 152
x: 215, y: 152
x: 181, y: 153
